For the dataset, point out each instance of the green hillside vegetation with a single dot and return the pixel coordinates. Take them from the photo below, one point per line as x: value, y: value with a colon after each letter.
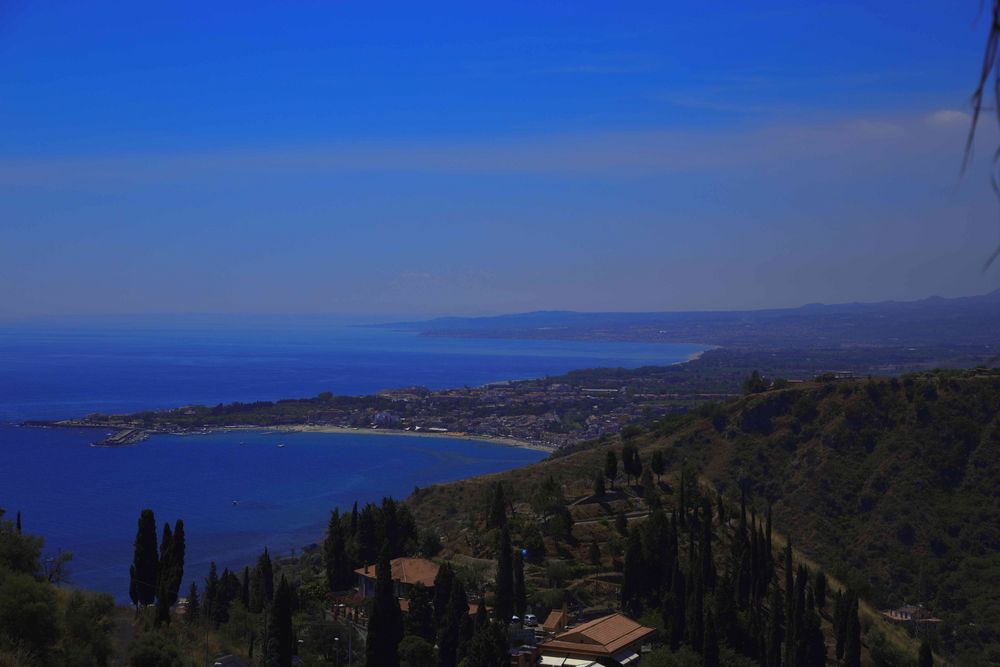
x: 41, y: 624
x: 890, y: 485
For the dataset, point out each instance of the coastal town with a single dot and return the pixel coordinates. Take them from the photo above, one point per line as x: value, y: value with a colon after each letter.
x: 551, y: 413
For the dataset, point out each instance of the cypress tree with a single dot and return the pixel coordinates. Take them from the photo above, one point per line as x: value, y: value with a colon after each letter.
x: 17, y: 523
x: 819, y: 588
x: 707, y: 560
x: 420, y: 619
x: 925, y: 657
x: 678, y: 609
x: 520, y: 594
x: 852, y: 638
x: 632, y: 578
x: 656, y: 464
x: 450, y: 636
x: 621, y: 523
x: 266, y: 576
x: 443, y: 583
x: 281, y: 636
x: 498, y: 510
x: 710, y: 649
x: 193, y: 606
x: 245, y: 588
x: 335, y: 560
x: 611, y: 467
x: 774, y: 630
x: 367, y: 537
x: 385, y: 629
x: 177, y: 554
x: 164, y: 572
x: 354, y: 519
x: 145, y: 560
x: 504, y: 601
x: 839, y: 622
x: 211, y: 601
x: 696, y: 615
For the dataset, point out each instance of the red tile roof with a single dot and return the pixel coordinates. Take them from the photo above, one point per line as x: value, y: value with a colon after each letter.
x: 407, y: 571
x: 604, y: 636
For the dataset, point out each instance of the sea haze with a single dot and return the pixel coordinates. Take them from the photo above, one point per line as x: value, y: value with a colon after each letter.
x: 87, y: 500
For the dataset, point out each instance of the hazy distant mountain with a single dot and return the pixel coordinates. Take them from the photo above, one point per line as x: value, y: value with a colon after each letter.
x: 960, y: 321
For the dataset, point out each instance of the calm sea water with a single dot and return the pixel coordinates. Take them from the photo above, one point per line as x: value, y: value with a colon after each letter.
x: 87, y: 500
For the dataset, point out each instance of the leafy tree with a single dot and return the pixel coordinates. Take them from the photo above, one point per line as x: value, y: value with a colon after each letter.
x: 28, y: 612
x: 153, y: 649
x: 451, y: 636
x: 145, y: 561
x: 385, y: 629
x: 415, y: 651
x: 611, y: 467
x: 754, y: 384
x: 488, y: 648
x: 633, y: 581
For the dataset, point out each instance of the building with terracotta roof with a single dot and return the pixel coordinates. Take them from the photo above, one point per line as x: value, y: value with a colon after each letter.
x: 406, y: 573
x: 610, y: 640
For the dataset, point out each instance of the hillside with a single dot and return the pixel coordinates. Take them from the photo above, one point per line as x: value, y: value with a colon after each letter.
x: 891, y: 485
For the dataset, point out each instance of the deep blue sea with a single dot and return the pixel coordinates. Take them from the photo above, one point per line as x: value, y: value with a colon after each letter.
x: 87, y: 500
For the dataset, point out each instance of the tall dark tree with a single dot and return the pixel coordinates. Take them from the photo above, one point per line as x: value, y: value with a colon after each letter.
x: 633, y: 579
x: 678, y: 609
x: 281, y: 635
x: 245, y: 588
x: 451, y: 636
x: 443, y: 583
x: 852, y: 639
x: 420, y: 619
x: 611, y: 467
x: 656, y: 464
x: 193, y: 611
x: 164, y: 572
x: 211, y: 600
x: 599, y: 488
x: 178, y: 551
x: 520, y: 594
x: 819, y: 589
x: 17, y: 523
x: 145, y: 560
x: 926, y: 657
x: 498, y: 508
x: 335, y: 560
x: 710, y: 649
x: 504, y: 602
x: 262, y: 585
x: 385, y: 628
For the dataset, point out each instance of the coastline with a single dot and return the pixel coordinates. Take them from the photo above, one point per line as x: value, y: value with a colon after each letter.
x: 458, y: 435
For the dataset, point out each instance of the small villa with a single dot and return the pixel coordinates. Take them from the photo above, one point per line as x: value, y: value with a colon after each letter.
x: 609, y: 640
x: 406, y: 573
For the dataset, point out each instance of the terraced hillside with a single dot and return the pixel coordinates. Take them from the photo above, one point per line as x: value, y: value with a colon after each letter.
x: 891, y: 485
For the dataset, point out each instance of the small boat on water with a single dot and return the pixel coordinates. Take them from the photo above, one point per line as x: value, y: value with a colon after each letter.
x: 280, y: 445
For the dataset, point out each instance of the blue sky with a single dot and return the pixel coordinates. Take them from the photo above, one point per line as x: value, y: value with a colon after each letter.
x: 433, y: 158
